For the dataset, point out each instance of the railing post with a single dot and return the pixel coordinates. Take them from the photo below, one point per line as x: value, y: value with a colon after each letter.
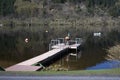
x: 49, y: 46
x: 58, y: 41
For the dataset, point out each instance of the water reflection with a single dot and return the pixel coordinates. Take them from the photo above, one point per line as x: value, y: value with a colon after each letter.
x: 89, y: 57
x: 13, y: 48
x: 108, y: 64
x: 6, y: 63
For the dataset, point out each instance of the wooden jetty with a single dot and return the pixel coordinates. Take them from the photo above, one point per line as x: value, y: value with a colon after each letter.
x: 28, y: 65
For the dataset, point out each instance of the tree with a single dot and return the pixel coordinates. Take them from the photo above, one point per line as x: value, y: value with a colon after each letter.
x: 115, y: 10
x: 25, y: 8
x: 6, y: 7
x: 59, y: 1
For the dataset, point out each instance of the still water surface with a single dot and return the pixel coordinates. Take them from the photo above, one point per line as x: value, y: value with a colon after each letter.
x: 13, y: 49
x: 89, y: 57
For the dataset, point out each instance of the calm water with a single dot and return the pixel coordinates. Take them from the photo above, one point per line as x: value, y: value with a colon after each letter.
x: 89, y: 57
x: 108, y: 64
x: 89, y: 60
x: 13, y: 48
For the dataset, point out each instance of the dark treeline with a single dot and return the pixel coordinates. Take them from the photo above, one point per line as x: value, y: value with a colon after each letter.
x: 33, y: 7
x: 7, y: 7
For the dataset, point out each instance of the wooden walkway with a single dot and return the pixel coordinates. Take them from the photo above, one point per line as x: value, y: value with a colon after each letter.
x: 74, y: 46
x: 28, y: 64
x: 23, y: 68
x: 42, y: 57
x: 58, y: 46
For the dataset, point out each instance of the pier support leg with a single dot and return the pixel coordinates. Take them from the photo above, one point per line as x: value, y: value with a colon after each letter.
x: 76, y: 54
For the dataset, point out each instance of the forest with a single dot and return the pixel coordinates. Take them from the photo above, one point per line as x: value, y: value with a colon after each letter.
x: 18, y: 7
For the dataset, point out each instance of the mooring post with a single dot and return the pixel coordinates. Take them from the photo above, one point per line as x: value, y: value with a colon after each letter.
x: 76, y: 54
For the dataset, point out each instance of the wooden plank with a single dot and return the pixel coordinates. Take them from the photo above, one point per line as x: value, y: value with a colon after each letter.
x: 59, y: 46
x: 23, y: 68
x: 42, y: 57
x: 74, y: 46
x: 26, y: 65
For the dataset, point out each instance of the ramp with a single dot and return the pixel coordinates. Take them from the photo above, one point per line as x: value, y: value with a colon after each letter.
x: 23, y: 68
x: 27, y: 65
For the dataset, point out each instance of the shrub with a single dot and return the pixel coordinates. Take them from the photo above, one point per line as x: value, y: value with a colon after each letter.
x: 114, y: 52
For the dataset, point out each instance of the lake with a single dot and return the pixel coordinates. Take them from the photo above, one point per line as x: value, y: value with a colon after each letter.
x: 14, y: 49
x: 88, y: 57
x: 108, y: 64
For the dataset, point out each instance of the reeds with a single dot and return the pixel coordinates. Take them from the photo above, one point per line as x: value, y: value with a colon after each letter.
x: 114, y: 52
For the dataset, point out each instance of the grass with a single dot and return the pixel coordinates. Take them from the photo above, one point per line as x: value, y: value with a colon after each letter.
x: 107, y: 72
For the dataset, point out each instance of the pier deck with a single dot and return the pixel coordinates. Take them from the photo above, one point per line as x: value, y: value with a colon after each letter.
x: 28, y: 64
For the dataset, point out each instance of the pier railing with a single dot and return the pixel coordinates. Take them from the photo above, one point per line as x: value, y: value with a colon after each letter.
x: 62, y: 41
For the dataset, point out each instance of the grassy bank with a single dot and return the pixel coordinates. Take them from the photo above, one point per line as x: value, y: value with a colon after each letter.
x: 113, y: 52
x: 107, y: 72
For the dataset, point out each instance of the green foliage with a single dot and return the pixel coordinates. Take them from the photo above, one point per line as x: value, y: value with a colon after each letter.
x: 55, y: 68
x: 108, y: 6
x: 114, y: 53
x: 59, y: 1
x: 108, y: 72
x: 75, y: 1
x: 6, y: 7
x: 26, y: 8
x: 101, y: 3
x: 115, y: 10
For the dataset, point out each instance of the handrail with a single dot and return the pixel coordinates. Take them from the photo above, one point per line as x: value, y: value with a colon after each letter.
x: 62, y: 40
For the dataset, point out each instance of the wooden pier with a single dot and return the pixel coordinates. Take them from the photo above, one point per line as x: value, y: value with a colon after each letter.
x: 28, y: 65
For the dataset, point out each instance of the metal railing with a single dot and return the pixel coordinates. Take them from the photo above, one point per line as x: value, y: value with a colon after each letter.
x: 53, y: 42
x: 63, y: 41
x: 79, y: 40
